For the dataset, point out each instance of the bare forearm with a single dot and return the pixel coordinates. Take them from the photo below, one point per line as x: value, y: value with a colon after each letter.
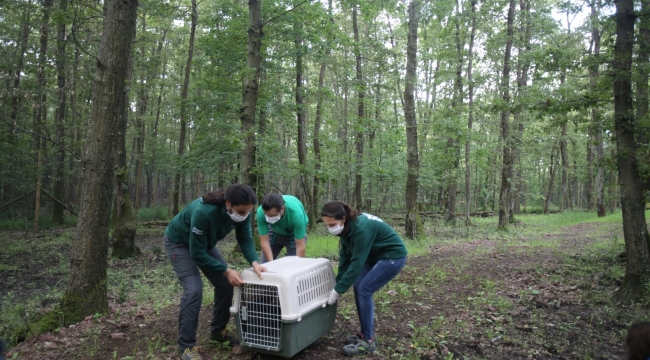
x: 301, y: 248
x: 266, y: 247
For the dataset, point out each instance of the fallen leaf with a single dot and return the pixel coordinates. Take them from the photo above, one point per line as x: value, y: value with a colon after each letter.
x: 117, y: 336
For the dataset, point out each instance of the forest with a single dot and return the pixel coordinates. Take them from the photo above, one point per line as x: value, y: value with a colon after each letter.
x: 467, y: 125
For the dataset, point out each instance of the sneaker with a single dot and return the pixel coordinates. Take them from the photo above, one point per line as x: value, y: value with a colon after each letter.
x: 190, y: 354
x: 223, y: 336
x: 352, y: 339
x: 360, y: 347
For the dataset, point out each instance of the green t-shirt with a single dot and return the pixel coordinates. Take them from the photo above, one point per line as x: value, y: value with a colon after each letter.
x: 368, y: 240
x: 293, y: 222
x: 200, y: 226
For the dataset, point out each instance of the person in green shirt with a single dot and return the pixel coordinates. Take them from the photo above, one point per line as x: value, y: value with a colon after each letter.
x: 190, y: 244
x: 371, y: 254
x: 281, y: 222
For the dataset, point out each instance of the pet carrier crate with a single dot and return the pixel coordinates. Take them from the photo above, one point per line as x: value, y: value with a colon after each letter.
x: 287, y: 310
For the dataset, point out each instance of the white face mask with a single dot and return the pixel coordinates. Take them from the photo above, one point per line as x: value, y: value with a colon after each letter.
x: 273, y: 219
x: 336, y: 230
x: 236, y: 217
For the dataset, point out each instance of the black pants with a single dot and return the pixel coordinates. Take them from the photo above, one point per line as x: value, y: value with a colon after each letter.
x: 190, y: 278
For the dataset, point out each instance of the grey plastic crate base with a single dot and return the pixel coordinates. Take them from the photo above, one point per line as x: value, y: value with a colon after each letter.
x: 296, y: 336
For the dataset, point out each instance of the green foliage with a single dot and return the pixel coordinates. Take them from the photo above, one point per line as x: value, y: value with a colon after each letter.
x: 152, y: 213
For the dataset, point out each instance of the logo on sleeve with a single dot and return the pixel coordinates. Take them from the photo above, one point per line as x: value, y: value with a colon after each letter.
x: 197, y: 231
x: 373, y: 217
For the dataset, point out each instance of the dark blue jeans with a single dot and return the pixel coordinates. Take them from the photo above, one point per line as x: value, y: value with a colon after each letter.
x: 190, y: 278
x: 278, y: 242
x: 372, y: 278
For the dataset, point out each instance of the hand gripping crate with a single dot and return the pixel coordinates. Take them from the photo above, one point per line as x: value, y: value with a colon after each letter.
x: 287, y: 310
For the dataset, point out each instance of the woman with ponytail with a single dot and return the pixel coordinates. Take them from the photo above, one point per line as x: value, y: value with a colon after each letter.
x: 190, y: 244
x: 371, y: 254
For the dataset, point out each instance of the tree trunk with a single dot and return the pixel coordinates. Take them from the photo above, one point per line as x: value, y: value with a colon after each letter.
x: 597, y: 126
x: 523, y: 65
x: 87, y: 292
x: 551, y: 172
x: 59, y: 118
x: 41, y: 109
x: 154, y: 196
x: 565, y: 166
x: 470, y: 119
x: 590, y: 167
x: 506, y: 172
x: 123, y: 218
x: 21, y: 45
x: 361, y: 114
x: 251, y: 89
x: 186, y: 84
x: 635, y: 230
x: 317, y: 124
x: 642, y: 129
x: 453, y: 146
x: 413, y: 224
x: 301, y: 115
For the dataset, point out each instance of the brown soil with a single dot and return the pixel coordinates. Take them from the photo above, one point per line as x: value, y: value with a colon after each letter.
x: 470, y: 299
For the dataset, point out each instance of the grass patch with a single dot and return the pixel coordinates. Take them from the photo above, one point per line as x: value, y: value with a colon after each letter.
x: 158, y: 213
x: 27, y: 223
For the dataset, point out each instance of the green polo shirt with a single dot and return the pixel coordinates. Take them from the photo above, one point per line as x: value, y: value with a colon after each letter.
x: 200, y: 226
x: 367, y: 240
x: 292, y: 223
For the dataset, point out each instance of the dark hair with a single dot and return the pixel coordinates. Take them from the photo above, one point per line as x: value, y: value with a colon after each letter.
x: 272, y: 200
x: 337, y: 210
x: 638, y: 341
x: 237, y: 194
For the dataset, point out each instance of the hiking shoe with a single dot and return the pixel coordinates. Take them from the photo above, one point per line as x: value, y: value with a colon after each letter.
x: 223, y: 336
x: 352, y: 339
x: 190, y: 354
x: 360, y: 347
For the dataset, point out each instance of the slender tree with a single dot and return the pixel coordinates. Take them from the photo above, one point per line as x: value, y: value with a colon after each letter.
x: 301, y: 114
x: 361, y: 110
x: 635, y: 229
x: 184, y: 93
x: 40, y: 108
x: 251, y: 90
x: 318, y: 121
x: 470, y: 117
x: 413, y: 225
x: 506, y: 171
x: 59, y: 117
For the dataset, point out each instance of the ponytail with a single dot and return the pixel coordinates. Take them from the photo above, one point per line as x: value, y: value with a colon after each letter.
x: 237, y: 194
x: 215, y: 197
x: 338, y: 210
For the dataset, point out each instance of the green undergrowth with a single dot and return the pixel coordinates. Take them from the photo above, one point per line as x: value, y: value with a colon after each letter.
x: 158, y: 213
x: 27, y: 223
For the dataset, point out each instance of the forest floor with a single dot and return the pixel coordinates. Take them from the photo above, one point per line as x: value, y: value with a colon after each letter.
x: 542, y: 290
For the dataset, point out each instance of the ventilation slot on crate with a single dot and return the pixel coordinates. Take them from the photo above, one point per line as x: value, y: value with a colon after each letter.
x: 313, y: 285
x: 260, y: 316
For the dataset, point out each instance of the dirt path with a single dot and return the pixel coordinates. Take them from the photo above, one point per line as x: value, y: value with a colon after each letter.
x: 544, y: 297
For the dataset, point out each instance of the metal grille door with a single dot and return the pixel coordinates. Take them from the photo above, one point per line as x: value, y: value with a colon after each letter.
x: 260, y: 316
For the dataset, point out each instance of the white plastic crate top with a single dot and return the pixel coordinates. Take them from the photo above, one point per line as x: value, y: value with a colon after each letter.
x: 303, y: 284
